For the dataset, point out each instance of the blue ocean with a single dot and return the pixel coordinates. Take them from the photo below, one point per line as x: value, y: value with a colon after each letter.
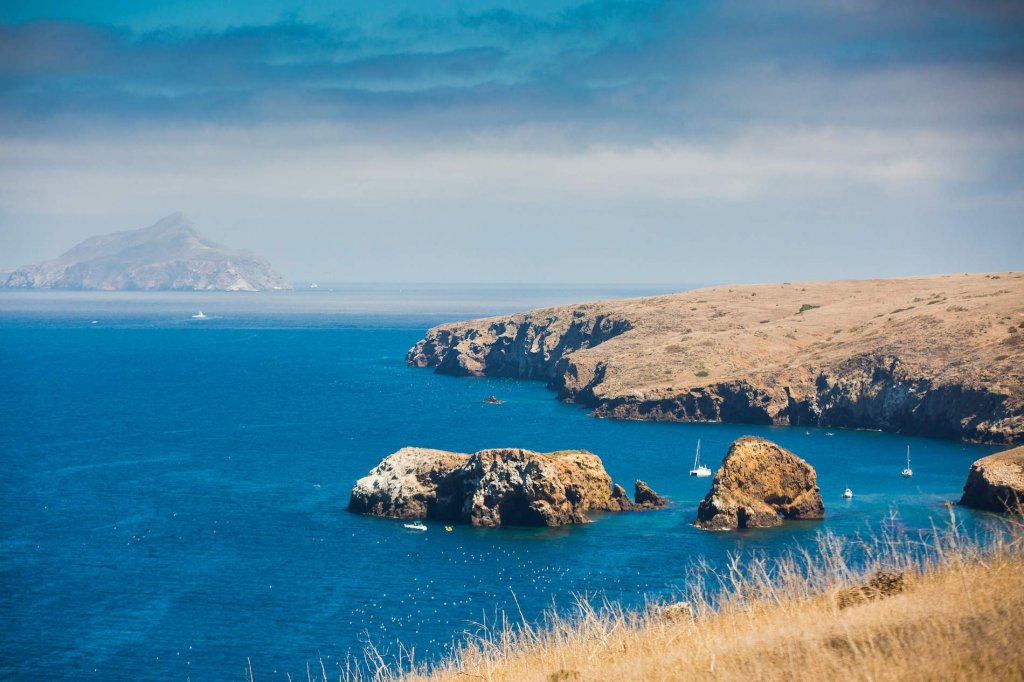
x: 174, y: 489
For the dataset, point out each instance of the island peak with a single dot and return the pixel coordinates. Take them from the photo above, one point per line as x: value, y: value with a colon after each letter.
x: 171, y: 254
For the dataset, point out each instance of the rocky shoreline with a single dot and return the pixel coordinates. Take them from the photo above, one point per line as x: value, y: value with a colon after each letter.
x: 996, y: 483
x: 934, y: 356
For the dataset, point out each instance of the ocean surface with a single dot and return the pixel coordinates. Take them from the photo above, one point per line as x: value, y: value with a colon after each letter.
x: 174, y: 490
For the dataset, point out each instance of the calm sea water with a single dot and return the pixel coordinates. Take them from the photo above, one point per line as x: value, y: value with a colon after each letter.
x: 174, y: 490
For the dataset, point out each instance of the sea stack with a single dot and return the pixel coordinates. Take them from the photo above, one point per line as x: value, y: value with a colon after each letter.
x: 491, y: 488
x: 759, y: 485
x: 996, y: 483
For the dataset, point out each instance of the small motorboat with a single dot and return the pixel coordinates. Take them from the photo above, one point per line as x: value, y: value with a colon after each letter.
x: 199, y: 316
x: 908, y: 472
x: 448, y: 529
x: 415, y: 525
x: 699, y: 470
x: 829, y: 433
x: 847, y: 493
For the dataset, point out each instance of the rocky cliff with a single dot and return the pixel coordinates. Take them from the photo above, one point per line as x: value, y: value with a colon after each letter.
x: 996, y: 482
x: 169, y: 255
x: 500, y: 487
x: 939, y: 356
x: 759, y: 485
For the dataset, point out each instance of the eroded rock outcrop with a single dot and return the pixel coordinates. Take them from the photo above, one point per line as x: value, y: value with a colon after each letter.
x: 937, y: 356
x: 759, y: 485
x: 499, y: 487
x: 996, y: 482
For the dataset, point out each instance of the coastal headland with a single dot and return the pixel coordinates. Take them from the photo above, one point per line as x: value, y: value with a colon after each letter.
x: 938, y: 356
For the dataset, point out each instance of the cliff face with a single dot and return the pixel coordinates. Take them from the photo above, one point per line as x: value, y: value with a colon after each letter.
x: 938, y: 356
x: 169, y: 255
x: 759, y: 485
x: 490, y: 488
x: 996, y: 482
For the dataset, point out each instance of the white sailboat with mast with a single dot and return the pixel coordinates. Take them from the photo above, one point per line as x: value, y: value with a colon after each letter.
x: 908, y: 472
x: 699, y: 470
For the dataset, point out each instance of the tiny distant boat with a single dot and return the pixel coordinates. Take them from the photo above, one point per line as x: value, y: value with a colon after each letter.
x: 448, y: 529
x: 829, y: 433
x: 908, y: 472
x: 699, y: 470
x: 847, y: 493
x: 95, y: 322
x: 314, y: 285
x: 493, y: 400
x: 415, y: 525
x: 199, y: 316
x: 807, y: 433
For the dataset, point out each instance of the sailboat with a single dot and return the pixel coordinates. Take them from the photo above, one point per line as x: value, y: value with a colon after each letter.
x: 908, y: 472
x: 699, y: 470
x: 199, y: 316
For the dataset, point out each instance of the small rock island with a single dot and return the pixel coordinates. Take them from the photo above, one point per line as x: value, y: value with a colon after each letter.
x: 759, y: 485
x: 996, y: 483
x: 498, y: 487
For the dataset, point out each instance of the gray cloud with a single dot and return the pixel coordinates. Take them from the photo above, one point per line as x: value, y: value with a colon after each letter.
x: 766, y: 124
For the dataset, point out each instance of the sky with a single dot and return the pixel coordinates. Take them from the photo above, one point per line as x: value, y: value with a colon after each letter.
x: 524, y: 142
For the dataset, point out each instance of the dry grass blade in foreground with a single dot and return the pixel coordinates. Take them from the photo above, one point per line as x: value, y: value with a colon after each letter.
x: 943, y: 610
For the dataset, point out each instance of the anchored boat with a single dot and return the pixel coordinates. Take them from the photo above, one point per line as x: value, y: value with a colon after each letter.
x: 699, y: 470
x: 908, y: 472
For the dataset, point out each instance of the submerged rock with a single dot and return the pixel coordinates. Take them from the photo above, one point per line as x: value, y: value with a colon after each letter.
x: 499, y: 487
x: 996, y: 482
x: 759, y: 485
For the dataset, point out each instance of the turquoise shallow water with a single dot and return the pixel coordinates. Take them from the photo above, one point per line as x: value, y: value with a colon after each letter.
x: 174, y: 491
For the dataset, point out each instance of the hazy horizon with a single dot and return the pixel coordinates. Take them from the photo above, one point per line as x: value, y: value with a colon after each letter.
x: 521, y: 142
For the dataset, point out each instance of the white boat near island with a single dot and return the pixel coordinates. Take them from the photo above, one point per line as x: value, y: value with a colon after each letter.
x: 699, y: 470
x: 415, y: 525
x: 908, y: 472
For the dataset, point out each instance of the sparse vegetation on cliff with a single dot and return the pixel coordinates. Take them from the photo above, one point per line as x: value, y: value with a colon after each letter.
x: 863, y: 355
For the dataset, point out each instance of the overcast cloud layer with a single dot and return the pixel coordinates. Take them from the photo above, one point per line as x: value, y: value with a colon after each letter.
x: 626, y: 142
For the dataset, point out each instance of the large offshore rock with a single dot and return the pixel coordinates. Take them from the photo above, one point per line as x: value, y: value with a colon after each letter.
x: 759, y: 485
x: 498, y: 487
x: 996, y: 482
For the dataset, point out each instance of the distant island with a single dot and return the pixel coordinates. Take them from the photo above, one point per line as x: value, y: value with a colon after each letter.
x: 168, y: 256
x: 937, y: 356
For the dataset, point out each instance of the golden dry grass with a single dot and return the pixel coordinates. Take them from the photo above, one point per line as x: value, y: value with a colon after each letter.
x: 781, y: 619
